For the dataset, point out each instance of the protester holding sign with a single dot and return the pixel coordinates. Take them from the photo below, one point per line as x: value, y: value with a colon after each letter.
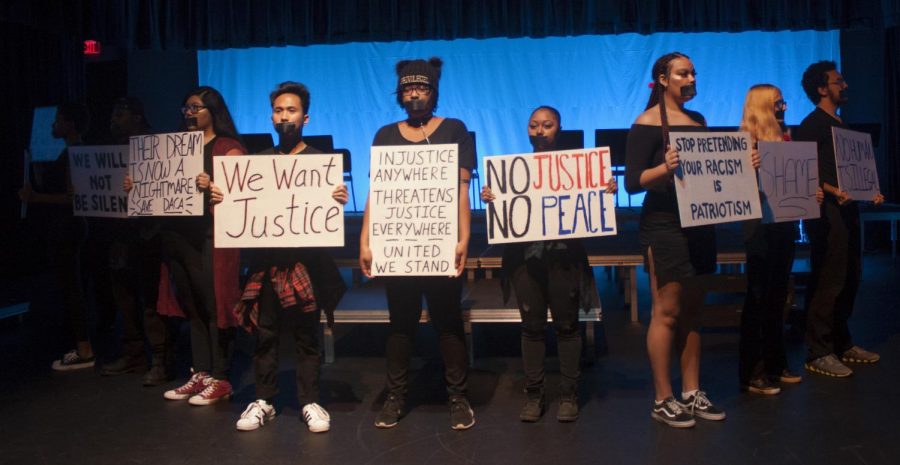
x: 272, y: 300
x: 834, y: 238
x: 554, y: 274
x: 64, y: 233
x: 417, y: 94
x: 205, y: 280
x: 770, y: 255
x: 673, y: 254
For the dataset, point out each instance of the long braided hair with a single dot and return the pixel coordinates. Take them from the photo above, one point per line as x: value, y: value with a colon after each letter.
x: 661, y: 68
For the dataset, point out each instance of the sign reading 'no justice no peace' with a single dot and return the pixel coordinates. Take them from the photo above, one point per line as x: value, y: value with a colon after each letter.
x: 549, y: 195
x: 715, y: 182
x: 414, y: 210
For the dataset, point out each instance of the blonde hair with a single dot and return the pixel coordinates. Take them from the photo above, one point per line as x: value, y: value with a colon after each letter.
x: 759, y: 114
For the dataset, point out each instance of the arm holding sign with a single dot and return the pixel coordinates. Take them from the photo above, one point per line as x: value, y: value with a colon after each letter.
x: 465, y: 220
x: 340, y: 194
x: 365, y: 252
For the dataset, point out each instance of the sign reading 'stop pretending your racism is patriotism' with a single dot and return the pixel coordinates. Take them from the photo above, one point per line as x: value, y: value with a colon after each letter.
x: 715, y: 182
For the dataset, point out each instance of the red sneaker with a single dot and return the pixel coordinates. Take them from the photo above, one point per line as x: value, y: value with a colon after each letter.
x: 216, y: 390
x: 195, y: 384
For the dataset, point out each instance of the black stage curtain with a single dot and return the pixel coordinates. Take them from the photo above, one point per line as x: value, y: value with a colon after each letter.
x: 215, y: 24
x: 892, y: 114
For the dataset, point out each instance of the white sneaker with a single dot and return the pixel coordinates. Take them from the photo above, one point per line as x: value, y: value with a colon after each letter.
x: 255, y: 415
x: 317, y: 419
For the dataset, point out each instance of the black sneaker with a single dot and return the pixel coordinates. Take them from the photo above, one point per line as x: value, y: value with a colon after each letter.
x: 699, y: 405
x: 122, y: 365
x: 761, y: 385
x: 670, y: 412
x: 156, y: 375
x: 390, y: 412
x: 461, y: 414
x: 568, y: 408
x: 533, y: 408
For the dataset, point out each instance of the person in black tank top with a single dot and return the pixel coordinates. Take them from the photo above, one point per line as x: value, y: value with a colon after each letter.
x: 673, y: 255
x: 417, y: 93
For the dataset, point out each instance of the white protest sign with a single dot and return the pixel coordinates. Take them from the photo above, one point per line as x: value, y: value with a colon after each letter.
x: 413, y: 209
x: 855, y: 159
x: 788, y: 179
x: 278, y: 201
x: 715, y: 182
x: 97, y: 174
x: 164, y: 168
x: 549, y: 195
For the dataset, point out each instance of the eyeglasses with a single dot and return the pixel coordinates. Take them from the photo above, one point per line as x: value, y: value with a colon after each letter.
x: 781, y: 104
x: 192, y: 108
x: 421, y: 89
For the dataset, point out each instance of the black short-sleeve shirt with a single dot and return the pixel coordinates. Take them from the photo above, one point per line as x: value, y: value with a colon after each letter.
x: 450, y: 131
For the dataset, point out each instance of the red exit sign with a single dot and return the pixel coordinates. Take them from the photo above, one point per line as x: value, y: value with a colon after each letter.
x: 92, y: 47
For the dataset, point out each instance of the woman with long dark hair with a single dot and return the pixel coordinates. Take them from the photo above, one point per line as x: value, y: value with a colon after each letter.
x: 674, y: 255
x: 553, y: 275
x: 205, y: 279
x: 417, y: 94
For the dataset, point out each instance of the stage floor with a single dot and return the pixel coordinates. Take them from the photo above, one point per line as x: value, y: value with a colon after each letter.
x: 82, y: 418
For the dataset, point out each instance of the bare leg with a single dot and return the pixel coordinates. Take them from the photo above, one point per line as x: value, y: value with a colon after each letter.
x: 660, y: 335
x: 688, y: 338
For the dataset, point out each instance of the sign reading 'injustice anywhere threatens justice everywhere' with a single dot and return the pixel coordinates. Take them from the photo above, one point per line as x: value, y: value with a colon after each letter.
x: 278, y: 201
x: 413, y: 210
x: 97, y: 173
x: 164, y: 168
x: 549, y: 195
x: 715, y: 182
x: 788, y: 179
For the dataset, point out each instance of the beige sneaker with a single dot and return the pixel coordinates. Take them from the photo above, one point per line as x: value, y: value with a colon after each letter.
x: 828, y: 365
x: 857, y: 354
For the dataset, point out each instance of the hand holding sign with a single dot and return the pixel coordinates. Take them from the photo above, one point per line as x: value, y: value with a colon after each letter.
x: 855, y: 161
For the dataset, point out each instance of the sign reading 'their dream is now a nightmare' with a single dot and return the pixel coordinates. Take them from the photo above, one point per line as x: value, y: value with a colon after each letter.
x: 413, y: 209
x: 164, y: 168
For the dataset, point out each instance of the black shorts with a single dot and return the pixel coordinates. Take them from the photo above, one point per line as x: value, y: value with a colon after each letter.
x: 678, y: 253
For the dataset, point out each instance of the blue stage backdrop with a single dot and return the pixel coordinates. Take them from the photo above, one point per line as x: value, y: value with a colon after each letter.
x: 492, y: 85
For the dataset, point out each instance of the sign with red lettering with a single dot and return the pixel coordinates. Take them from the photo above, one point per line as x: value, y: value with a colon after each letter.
x: 278, y: 201
x: 715, y: 182
x: 549, y: 195
x: 855, y: 159
x: 97, y: 173
x: 164, y: 169
x: 414, y: 209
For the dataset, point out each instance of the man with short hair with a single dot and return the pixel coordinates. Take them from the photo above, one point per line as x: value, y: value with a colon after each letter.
x: 834, y: 237
x: 275, y: 294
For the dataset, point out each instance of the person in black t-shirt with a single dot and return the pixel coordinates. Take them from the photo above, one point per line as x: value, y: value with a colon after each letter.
x: 272, y: 270
x: 834, y: 237
x: 674, y: 255
x: 417, y: 94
